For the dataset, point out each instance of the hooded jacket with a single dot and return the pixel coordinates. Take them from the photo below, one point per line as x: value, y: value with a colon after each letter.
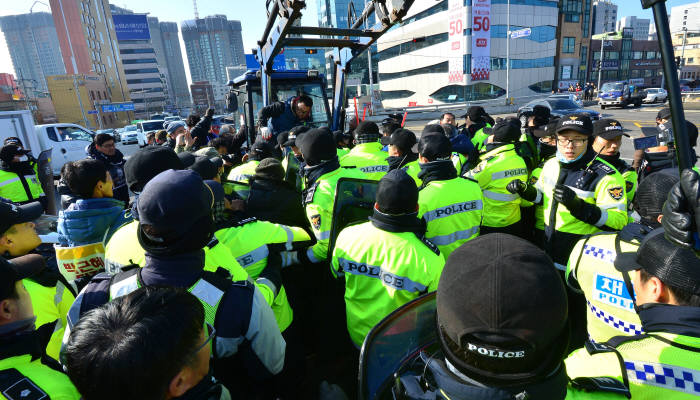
x: 115, y: 167
x: 90, y: 221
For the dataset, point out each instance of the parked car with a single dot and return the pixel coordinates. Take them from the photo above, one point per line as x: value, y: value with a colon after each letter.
x: 146, y: 127
x: 655, y: 95
x: 558, y: 106
x: 571, y: 96
x: 130, y: 135
x: 169, y: 119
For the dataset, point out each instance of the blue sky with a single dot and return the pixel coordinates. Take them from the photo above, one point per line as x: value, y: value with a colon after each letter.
x: 250, y: 12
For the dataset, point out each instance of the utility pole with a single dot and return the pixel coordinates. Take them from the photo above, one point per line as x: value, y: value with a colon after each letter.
x: 508, y: 57
x: 600, y: 66
x: 80, y: 101
x: 680, y: 65
x: 369, y: 64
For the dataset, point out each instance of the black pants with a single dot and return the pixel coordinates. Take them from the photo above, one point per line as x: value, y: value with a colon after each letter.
x: 515, y: 229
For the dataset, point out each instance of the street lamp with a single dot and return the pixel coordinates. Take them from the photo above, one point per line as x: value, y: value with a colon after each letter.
x: 600, y: 66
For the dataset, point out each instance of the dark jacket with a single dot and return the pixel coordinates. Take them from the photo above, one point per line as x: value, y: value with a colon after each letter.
x: 248, y: 334
x: 276, y: 201
x: 200, y: 132
x: 280, y: 117
x: 115, y: 167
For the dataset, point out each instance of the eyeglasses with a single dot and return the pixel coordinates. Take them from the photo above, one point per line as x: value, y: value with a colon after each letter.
x: 212, y: 333
x: 575, y: 142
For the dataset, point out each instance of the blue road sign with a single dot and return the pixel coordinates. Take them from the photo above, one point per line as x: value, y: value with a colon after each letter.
x: 117, y: 107
x: 92, y: 112
x: 520, y: 33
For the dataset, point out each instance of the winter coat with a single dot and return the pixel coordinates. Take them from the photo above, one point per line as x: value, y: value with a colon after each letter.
x: 115, y: 167
x: 90, y: 221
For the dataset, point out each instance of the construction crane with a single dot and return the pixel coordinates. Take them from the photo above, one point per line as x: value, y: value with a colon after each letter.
x: 196, y: 12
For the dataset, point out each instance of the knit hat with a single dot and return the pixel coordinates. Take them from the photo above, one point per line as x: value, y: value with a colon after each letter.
x: 367, y: 131
x: 651, y: 195
x: 205, y: 168
x: 435, y: 146
x: 317, y: 146
x: 397, y: 193
x: 261, y: 149
x: 506, y: 130
x: 187, y: 158
x: 512, y: 326
x: 475, y: 113
x: 270, y: 169
x: 173, y: 126
x: 147, y: 163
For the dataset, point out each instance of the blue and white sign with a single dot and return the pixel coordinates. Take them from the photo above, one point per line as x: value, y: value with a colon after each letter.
x: 131, y: 26
x: 278, y: 64
x: 520, y: 33
x: 92, y: 112
x: 612, y: 291
x: 118, y: 107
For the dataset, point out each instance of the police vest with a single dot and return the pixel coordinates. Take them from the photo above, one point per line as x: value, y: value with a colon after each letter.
x: 657, y: 365
x: 599, y: 184
x: 248, y: 242
x: 479, y: 138
x: 610, y: 306
x: 12, y: 187
x: 22, y: 378
x: 209, y: 290
x: 319, y: 201
x: 383, y: 271
x: 496, y: 170
x: 539, y: 211
x: 368, y: 158
x: 630, y: 176
x: 237, y: 180
x: 452, y: 210
x: 413, y: 169
x: 50, y: 303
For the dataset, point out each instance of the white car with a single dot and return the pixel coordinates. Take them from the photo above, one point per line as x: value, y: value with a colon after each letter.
x: 656, y: 95
x: 130, y: 135
x: 146, y: 127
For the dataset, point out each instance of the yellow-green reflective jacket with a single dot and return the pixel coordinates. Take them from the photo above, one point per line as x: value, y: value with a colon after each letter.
x: 452, y: 210
x: 383, y: 271
x: 237, y: 180
x: 12, y: 188
x: 496, y: 169
x: 50, y: 303
x: 368, y: 158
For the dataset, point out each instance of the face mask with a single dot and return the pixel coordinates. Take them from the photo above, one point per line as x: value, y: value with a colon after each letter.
x: 23, y: 158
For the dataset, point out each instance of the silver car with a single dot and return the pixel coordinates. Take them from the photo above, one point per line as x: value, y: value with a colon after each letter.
x: 656, y: 95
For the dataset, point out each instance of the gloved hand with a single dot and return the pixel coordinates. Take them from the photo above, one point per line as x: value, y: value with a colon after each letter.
x: 527, y: 192
x: 210, y: 112
x: 265, y: 132
x: 273, y: 270
x: 566, y: 196
x: 681, y: 210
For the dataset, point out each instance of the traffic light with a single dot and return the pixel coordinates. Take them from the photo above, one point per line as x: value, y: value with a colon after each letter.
x: 678, y: 61
x: 597, y: 64
x: 310, y: 51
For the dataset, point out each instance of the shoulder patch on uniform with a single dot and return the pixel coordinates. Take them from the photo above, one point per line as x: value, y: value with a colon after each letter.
x: 603, y: 167
x: 316, y: 221
x: 616, y: 193
x: 629, y: 186
x: 246, y: 221
x: 533, y: 180
x: 430, y: 245
x: 309, y: 193
x: 15, y: 386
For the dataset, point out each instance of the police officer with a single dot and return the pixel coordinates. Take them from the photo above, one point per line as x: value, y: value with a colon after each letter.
x: 292, y: 161
x: 450, y: 205
x: 26, y: 372
x: 476, y: 119
x: 175, y: 224
x: 546, y: 149
x: 459, y: 160
x: 663, y: 362
x: 387, y: 261
x: 527, y: 148
x: 590, y: 270
x: 607, y: 142
x: 50, y: 293
x: 581, y: 194
x: 506, y: 339
x: 367, y: 155
x: 400, y: 145
x: 681, y: 210
x: 19, y: 181
x: 237, y: 179
x: 321, y: 174
x: 498, y: 165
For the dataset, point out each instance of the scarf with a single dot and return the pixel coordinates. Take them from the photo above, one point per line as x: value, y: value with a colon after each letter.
x: 398, y: 223
x: 396, y: 162
x: 440, y: 170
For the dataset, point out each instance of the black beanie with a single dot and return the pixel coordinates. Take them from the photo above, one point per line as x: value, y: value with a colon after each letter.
x: 317, y: 146
x: 397, y: 193
x: 270, y: 169
x: 367, y: 131
x: 147, y: 163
